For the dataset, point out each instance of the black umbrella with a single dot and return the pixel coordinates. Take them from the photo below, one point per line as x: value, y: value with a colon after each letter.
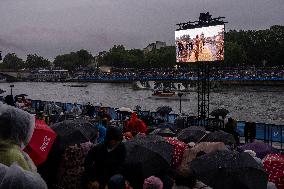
x: 164, y: 132
x: 219, y: 136
x: 157, y: 144
x: 202, y: 128
x: 20, y: 95
x: 164, y: 110
x: 191, y: 134
x: 228, y: 169
x: 146, y: 156
x: 70, y: 132
x: 219, y: 112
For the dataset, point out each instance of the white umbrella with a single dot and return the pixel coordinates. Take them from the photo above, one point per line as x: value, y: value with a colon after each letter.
x: 124, y: 109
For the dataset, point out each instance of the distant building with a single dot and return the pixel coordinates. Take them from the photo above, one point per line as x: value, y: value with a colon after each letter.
x: 152, y: 46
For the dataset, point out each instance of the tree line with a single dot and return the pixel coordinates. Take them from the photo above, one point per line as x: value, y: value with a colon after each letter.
x: 262, y: 48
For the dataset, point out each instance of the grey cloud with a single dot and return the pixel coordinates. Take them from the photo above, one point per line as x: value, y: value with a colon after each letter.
x: 53, y: 27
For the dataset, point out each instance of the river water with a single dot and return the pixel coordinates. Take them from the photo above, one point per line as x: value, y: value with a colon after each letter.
x: 259, y: 104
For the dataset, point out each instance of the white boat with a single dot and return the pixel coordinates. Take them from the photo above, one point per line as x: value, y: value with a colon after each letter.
x: 139, y: 85
x: 152, y: 84
x: 179, y: 86
x: 3, y: 80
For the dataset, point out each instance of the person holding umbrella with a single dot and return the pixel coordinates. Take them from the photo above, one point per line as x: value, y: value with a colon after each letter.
x: 249, y: 131
x: 104, y: 160
x: 231, y: 127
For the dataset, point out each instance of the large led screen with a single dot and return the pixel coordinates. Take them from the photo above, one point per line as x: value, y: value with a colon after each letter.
x: 200, y: 44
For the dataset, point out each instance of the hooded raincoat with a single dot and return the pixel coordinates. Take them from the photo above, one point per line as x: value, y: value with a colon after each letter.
x: 16, y: 129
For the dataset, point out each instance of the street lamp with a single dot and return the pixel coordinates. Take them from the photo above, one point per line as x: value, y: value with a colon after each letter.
x: 12, y: 89
x: 180, y: 95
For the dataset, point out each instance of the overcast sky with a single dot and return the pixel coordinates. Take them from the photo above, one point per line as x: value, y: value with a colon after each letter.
x: 52, y: 27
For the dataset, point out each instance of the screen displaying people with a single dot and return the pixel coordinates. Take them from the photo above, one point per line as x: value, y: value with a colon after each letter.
x: 200, y: 44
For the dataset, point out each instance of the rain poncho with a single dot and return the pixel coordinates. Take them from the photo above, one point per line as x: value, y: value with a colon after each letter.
x: 135, y: 125
x: 10, y: 153
x: 16, y: 129
x: 16, y: 125
x: 14, y: 177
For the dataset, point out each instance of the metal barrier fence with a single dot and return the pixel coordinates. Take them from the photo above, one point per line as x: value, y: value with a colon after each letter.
x: 270, y: 133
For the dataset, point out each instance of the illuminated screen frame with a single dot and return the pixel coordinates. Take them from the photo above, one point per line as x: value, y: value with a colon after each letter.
x: 200, y: 44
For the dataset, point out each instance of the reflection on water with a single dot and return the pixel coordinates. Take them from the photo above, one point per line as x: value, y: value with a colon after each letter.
x: 260, y: 104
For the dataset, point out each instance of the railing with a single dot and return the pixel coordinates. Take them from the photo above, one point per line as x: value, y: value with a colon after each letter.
x: 176, y: 78
x: 270, y: 133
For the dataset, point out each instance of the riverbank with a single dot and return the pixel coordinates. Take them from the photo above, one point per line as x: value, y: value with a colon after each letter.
x: 251, y: 83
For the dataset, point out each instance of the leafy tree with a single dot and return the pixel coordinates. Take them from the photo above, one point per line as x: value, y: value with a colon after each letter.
x: 34, y: 61
x: 167, y: 56
x: 161, y: 58
x: 73, y: 60
x: 116, y: 57
x: 12, y: 61
x: 259, y: 46
x: 152, y: 59
x: 65, y: 61
x: 234, y: 55
x: 84, y: 58
x: 135, y: 58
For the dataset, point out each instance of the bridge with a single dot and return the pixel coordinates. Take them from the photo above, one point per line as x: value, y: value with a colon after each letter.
x: 12, y: 75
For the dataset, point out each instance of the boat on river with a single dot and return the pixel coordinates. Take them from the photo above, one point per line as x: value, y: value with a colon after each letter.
x: 173, y: 86
x: 168, y: 94
x: 78, y: 85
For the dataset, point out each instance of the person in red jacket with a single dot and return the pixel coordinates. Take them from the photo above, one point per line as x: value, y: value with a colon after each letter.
x: 135, y: 125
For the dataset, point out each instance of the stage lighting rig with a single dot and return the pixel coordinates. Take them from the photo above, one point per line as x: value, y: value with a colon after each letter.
x: 205, y: 19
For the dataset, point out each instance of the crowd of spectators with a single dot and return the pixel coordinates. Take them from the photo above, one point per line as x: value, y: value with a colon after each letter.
x: 182, y: 74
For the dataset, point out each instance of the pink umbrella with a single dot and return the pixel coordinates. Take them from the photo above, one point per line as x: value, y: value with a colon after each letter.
x: 274, y: 165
